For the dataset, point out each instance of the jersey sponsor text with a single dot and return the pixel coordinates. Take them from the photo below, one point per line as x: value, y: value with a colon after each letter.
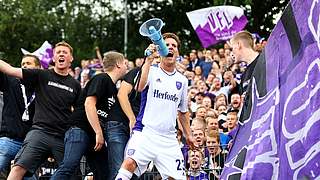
x: 166, y: 95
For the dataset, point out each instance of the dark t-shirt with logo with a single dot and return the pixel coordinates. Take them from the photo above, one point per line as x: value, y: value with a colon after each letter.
x: 116, y: 113
x: 55, y: 96
x: 134, y: 97
x: 102, y: 87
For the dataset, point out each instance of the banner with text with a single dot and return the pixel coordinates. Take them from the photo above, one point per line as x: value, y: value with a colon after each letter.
x: 216, y: 24
x: 278, y: 135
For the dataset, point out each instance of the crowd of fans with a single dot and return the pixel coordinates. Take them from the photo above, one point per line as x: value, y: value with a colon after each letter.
x: 214, y: 103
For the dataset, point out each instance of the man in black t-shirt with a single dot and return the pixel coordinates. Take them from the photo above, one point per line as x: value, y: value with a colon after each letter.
x: 243, y: 49
x: 242, y: 45
x: 98, y: 97
x: 56, y: 92
x: 129, y: 98
x: 121, y: 120
x: 17, y: 114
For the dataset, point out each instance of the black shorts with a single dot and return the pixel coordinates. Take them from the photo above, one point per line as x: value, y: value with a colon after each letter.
x: 36, y: 148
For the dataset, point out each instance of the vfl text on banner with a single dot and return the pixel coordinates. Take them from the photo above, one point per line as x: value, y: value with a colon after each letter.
x: 216, y: 24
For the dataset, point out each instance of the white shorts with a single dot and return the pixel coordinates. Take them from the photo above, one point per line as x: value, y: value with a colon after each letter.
x: 164, y: 151
x: 132, y: 145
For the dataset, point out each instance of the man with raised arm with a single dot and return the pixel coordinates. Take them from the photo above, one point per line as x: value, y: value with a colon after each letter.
x: 164, y: 93
x: 17, y: 114
x: 56, y: 92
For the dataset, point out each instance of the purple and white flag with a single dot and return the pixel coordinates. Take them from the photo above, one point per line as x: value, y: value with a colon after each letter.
x: 44, y: 53
x: 278, y: 135
x: 216, y: 24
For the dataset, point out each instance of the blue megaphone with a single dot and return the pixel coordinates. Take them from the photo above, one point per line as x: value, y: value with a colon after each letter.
x: 152, y: 29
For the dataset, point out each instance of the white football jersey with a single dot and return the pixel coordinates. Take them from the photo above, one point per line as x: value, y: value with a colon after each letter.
x: 162, y: 97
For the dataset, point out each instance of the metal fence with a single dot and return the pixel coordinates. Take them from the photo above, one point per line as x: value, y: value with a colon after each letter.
x: 47, y: 169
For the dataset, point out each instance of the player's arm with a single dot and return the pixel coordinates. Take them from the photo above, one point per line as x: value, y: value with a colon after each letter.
x: 183, y: 115
x: 144, y: 74
x: 91, y: 112
x: 145, y: 68
x: 124, y: 91
x: 9, y: 70
x: 183, y: 118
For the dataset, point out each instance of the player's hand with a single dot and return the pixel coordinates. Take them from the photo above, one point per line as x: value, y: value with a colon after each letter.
x: 154, y: 53
x: 191, y: 142
x: 132, y: 122
x: 99, y: 141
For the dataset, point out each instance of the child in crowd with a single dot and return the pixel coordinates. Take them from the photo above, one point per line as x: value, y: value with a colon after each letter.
x: 196, y: 159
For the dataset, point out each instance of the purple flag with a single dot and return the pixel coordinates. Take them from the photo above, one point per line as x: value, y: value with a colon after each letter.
x: 44, y: 53
x: 279, y: 137
x: 216, y: 24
